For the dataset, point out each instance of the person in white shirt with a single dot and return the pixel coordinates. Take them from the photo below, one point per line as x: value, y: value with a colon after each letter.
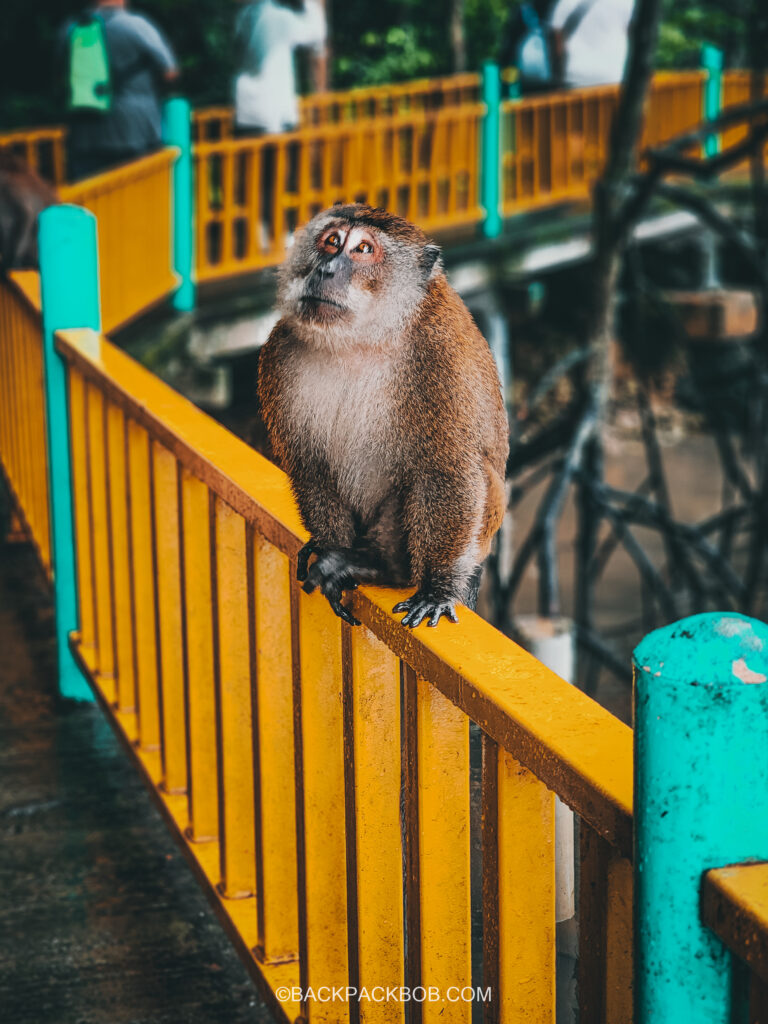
x: 267, y: 34
x: 595, y: 39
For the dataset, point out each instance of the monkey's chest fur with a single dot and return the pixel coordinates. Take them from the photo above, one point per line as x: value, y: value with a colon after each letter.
x: 340, y: 413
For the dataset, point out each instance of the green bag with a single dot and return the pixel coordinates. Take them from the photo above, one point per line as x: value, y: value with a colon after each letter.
x: 90, y: 85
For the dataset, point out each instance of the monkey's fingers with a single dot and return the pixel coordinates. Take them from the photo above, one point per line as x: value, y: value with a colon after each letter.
x: 445, y: 609
x: 418, y: 608
x: 302, y: 561
x: 342, y: 612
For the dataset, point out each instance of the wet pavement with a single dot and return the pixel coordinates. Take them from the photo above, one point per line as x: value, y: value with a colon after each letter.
x: 101, y: 921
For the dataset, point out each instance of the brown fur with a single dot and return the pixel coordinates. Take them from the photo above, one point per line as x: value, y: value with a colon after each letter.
x: 443, y: 442
x: 23, y: 196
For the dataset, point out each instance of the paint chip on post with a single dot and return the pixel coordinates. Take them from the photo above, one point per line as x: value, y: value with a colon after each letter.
x: 743, y: 672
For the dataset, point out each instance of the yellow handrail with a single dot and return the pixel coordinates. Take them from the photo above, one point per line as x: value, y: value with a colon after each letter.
x: 298, y: 773
x: 217, y: 122
x: 132, y: 205
x: 23, y: 445
x: 42, y: 149
x: 421, y: 165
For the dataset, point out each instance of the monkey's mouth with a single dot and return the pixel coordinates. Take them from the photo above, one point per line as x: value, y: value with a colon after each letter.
x: 320, y: 306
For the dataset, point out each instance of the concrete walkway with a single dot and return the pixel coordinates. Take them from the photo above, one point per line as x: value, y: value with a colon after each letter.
x: 101, y: 922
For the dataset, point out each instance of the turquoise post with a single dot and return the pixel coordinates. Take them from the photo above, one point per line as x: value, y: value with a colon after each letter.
x: 712, y: 63
x: 177, y: 131
x: 69, y: 283
x: 701, y: 801
x: 490, y: 167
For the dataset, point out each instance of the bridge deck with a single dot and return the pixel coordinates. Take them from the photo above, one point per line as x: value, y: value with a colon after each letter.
x: 99, y: 918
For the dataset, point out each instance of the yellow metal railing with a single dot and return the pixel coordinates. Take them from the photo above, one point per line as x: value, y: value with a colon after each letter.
x: 423, y: 163
x: 318, y: 776
x: 23, y: 444
x: 737, y: 89
x: 734, y: 904
x: 43, y: 149
x: 554, y: 147
x: 133, y: 206
x: 423, y: 166
x: 426, y: 94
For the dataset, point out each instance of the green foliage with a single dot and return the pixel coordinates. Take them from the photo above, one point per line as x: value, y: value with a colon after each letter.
x: 389, y: 56
x: 372, y: 41
x: 686, y: 27
x: 394, y: 40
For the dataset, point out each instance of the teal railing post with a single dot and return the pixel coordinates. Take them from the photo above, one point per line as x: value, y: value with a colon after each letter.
x: 712, y: 64
x: 177, y: 131
x: 69, y: 284
x: 490, y: 167
x: 701, y: 801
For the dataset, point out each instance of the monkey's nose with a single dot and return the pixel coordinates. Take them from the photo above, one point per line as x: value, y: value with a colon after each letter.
x: 330, y: 267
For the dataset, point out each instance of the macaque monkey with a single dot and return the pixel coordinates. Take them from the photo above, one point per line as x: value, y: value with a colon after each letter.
x: 383, y: 404
x: 23, y: 195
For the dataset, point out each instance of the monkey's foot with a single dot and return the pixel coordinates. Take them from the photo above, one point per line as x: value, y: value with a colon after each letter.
x: 331, y: 573
x: 426, y: 605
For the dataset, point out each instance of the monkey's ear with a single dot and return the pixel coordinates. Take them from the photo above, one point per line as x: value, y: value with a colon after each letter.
x: 430, y: 254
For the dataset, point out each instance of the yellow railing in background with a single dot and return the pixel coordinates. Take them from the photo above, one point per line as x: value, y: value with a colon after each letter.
x: 423, y: 166
x: 23, y: 443
x: 42, y: 148
x: 279, y: 742
x: 737, y: 89
x: 132, y: 205
x: 425, y: 94
x: 554, y: 146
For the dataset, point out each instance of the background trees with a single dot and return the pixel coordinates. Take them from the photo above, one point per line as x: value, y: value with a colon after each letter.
x: 386, y: 41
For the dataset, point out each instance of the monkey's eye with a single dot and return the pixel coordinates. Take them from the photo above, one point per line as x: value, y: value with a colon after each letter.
x: 332, y: 242
x: 364, y: 247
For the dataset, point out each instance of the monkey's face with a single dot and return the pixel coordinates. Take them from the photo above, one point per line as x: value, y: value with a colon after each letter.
x: 353, y: 275
x: 343, y: 277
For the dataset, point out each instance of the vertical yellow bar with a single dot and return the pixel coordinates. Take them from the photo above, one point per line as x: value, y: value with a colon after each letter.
x: 198, y: 631
x: 203, y: 212
x: 121, y: 559
x: 278, y: 198
x: 526, y: 908
x: 444, y: 848
x: 234, y: 719
x: 227, y: 205
x: 594, y: 857
x: 322, y: 794
x: 379, y: 848
x: 143, y: 586
x: 278, y: 904
x: 618, y: 942
x: 82, y: 514
x: 102, y: 575
x: 173, y: 742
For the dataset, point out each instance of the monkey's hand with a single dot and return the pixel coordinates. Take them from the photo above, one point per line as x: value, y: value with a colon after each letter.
x: 302, y: 560
x: 426, y: 604
x: 332, y: 573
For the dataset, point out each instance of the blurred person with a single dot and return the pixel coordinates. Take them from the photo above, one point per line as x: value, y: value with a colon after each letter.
x: 589, y: 40
x: 117, y: 64
x: 267, y: 34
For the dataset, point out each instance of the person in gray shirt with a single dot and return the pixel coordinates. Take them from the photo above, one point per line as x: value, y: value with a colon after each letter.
x: 141, y: 62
